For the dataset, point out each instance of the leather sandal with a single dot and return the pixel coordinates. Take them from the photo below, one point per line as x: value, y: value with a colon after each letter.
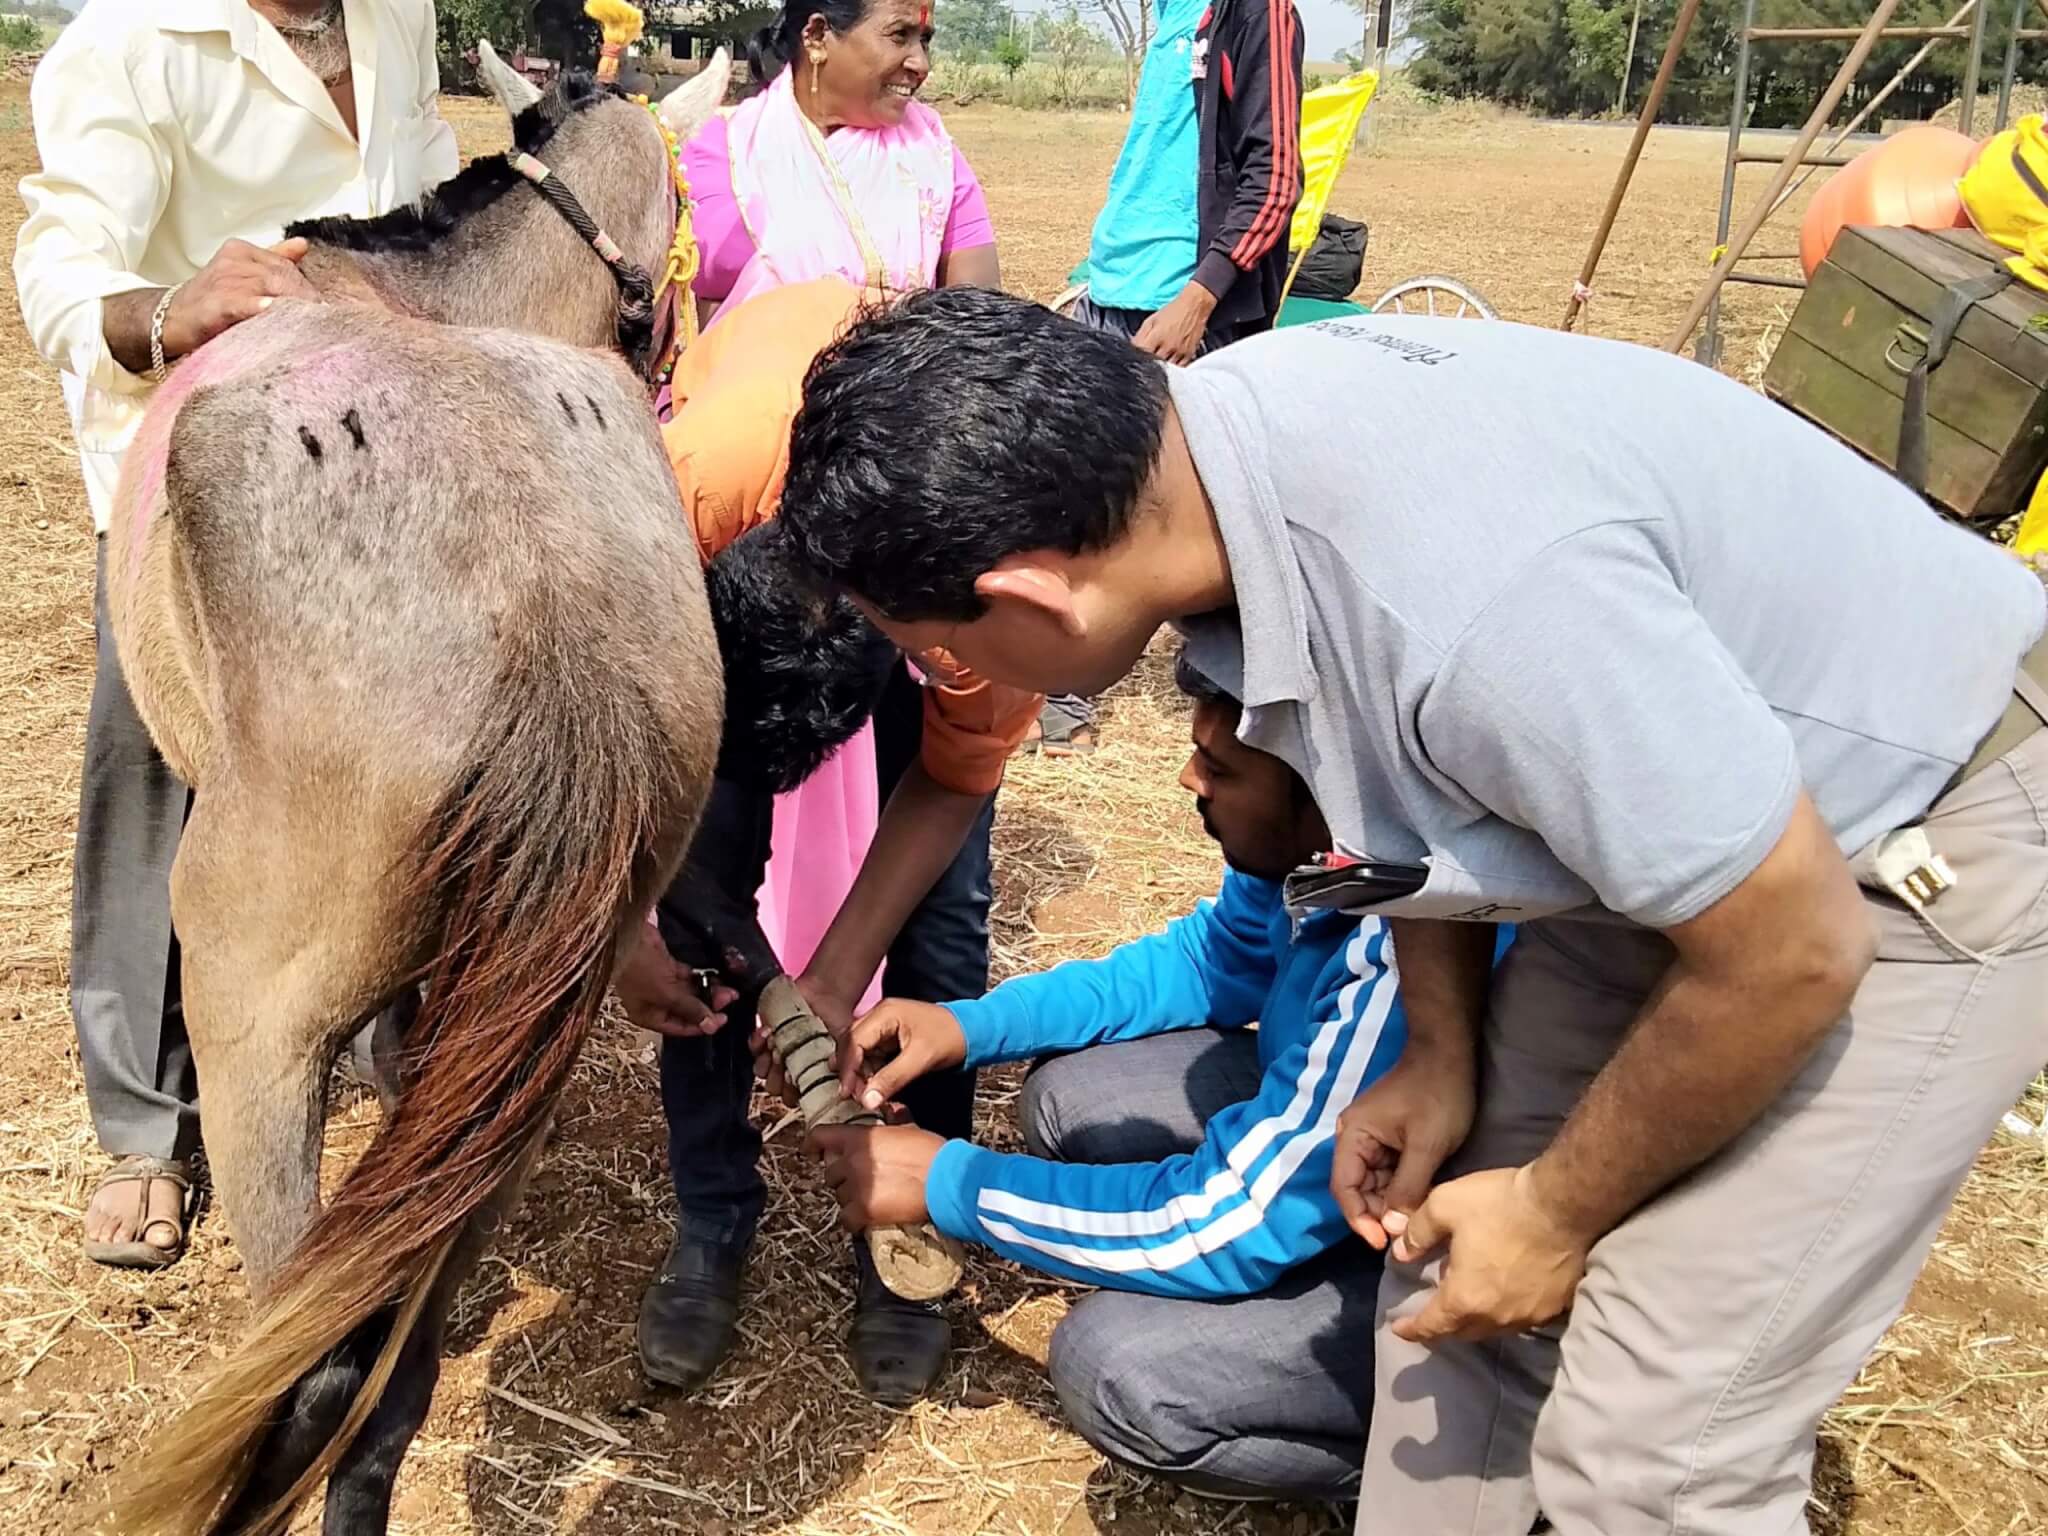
x: 138, y: 1252
x: 1058, y: 732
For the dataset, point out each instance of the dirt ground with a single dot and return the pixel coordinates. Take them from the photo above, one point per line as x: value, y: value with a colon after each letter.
x: 1946, y: 1431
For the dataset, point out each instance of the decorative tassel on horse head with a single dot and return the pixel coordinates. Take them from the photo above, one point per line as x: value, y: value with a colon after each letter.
x: 665, y: 313
x: 621, y: 25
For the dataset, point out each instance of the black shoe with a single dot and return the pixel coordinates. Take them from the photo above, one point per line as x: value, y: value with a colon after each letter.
x: 899, y: 1347
x: 688, y: 1315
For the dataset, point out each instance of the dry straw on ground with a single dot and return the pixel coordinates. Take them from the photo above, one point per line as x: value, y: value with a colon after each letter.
x: 541, y: 1424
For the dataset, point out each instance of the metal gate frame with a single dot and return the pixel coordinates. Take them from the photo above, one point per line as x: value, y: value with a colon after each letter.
x: 1708, y: 350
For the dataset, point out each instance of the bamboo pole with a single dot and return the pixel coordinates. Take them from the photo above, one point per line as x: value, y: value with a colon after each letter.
x: 1652, y: 103
x: 1753, y: 221
x: 1844, y: 34
x: 918, y: 1263
x: 1628, y: 59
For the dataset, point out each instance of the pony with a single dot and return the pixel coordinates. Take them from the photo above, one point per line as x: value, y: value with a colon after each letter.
x: 401, y: 585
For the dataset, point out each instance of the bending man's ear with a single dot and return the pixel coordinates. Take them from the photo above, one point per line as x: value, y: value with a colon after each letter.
x: 1027, y: 580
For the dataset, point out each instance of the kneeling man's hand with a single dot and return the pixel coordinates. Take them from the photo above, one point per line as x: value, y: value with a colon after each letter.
x: 1512, y: 1263
x: 893, y: 1045
x: 877, y: 1172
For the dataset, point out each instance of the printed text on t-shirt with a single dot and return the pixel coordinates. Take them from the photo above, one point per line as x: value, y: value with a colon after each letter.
x: 1410, y: 351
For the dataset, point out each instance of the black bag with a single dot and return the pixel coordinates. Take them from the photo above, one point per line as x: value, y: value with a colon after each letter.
x: 1335, y: 263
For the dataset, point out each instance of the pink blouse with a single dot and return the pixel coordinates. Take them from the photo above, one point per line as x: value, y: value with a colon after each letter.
x: 724, y: 245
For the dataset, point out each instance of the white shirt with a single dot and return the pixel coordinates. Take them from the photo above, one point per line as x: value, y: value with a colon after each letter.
x: 169, y: 127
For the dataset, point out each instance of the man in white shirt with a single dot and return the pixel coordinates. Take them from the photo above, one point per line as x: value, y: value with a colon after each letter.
x: 178, y: 139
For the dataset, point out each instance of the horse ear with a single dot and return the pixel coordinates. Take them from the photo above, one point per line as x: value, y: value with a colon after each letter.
x: 514, y: 91
x: 686, y: 108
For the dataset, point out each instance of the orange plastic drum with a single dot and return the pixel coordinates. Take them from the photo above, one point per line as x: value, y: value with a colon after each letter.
x: 1908, y: 181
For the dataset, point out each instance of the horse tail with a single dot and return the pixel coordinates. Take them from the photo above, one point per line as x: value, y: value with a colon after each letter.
x: 546, y: 845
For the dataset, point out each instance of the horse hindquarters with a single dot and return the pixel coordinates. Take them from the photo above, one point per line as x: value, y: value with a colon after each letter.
x: 543, y: 651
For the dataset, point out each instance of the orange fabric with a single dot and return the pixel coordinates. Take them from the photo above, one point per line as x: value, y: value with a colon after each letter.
x: 735, y: 392
x: 1908, y: 181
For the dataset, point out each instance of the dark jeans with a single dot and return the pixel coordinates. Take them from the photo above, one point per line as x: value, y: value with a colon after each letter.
x: 1252, y: 1396
x: 940, y: 954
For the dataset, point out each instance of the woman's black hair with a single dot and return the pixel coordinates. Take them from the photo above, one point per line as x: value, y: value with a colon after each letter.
x: 802, y: 669
x: 774, y: 47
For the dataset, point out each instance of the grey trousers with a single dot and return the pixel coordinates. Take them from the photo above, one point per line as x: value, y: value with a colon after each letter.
x: 124, y: 957
x: 1257, y: 1396
x: 1718, y: 1323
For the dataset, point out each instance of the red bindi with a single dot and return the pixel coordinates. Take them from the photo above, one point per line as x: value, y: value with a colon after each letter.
x: 924, y: 15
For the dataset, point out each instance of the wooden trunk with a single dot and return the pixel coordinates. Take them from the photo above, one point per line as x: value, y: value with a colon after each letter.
x: 1862, y: 325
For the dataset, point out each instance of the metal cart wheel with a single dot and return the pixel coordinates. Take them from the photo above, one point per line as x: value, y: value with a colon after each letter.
x: 1434, y: 295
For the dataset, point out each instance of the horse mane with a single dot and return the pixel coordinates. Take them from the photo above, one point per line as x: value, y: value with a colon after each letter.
x: 421, y: 225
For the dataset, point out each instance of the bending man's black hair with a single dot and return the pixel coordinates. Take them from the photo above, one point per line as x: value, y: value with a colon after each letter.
x: 959, y: 427
x: 803, y: 670
x: 774, y: 47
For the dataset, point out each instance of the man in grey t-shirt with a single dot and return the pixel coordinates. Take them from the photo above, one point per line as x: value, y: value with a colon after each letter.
x: 1587, y: 638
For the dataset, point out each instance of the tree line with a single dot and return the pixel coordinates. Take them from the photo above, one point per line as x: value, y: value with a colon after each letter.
x: 1567, y: 57
x: 968, y: 31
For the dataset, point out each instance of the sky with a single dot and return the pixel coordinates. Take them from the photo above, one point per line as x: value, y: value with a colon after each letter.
x: 1329, y: 25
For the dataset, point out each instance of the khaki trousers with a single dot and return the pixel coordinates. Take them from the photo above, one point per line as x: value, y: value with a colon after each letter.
x: 1718, y: 1323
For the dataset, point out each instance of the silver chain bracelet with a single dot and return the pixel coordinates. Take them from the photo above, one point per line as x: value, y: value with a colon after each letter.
x: 157, y: 365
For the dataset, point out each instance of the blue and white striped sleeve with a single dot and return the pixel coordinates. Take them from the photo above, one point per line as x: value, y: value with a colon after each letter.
x: 1211, y: 967
x: 1226, y: 1219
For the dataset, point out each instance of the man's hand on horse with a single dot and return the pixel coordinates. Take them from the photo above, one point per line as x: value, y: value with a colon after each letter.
x: 239, y: 283
x: 662, y: 995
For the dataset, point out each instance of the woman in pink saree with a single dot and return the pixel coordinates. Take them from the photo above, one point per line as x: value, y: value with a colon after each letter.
x: 833, y: 167
x: 832, y: 170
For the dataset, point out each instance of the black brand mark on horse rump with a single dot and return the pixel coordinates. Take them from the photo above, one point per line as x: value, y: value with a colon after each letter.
x: 310, y: 443
x: 595, y: 412
x: 568, y: 410
x: 354, y: 424
x: 421, y: 225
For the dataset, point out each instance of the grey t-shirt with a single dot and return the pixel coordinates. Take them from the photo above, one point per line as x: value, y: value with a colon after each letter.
x: 1572, y: 621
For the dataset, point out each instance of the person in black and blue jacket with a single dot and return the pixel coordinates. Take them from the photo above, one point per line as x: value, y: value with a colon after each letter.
x: 1177, y: 1157
x: 1189, y: 251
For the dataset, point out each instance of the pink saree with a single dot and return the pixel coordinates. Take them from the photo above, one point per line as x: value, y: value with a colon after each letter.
x: 870, y: 205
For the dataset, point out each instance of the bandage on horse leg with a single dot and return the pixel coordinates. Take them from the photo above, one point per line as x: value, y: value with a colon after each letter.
x: 918, y: 1263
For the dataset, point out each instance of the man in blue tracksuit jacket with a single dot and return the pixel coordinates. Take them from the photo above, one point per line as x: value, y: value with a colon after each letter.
x: 1176, y: 1157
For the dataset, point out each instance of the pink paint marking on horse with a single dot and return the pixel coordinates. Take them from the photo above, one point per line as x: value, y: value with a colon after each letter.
x: 314, y: 381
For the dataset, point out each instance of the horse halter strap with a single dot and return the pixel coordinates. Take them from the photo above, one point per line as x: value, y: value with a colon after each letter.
x: 636, y: 288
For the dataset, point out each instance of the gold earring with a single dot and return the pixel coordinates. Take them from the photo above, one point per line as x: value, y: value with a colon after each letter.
x: 817, y: 63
